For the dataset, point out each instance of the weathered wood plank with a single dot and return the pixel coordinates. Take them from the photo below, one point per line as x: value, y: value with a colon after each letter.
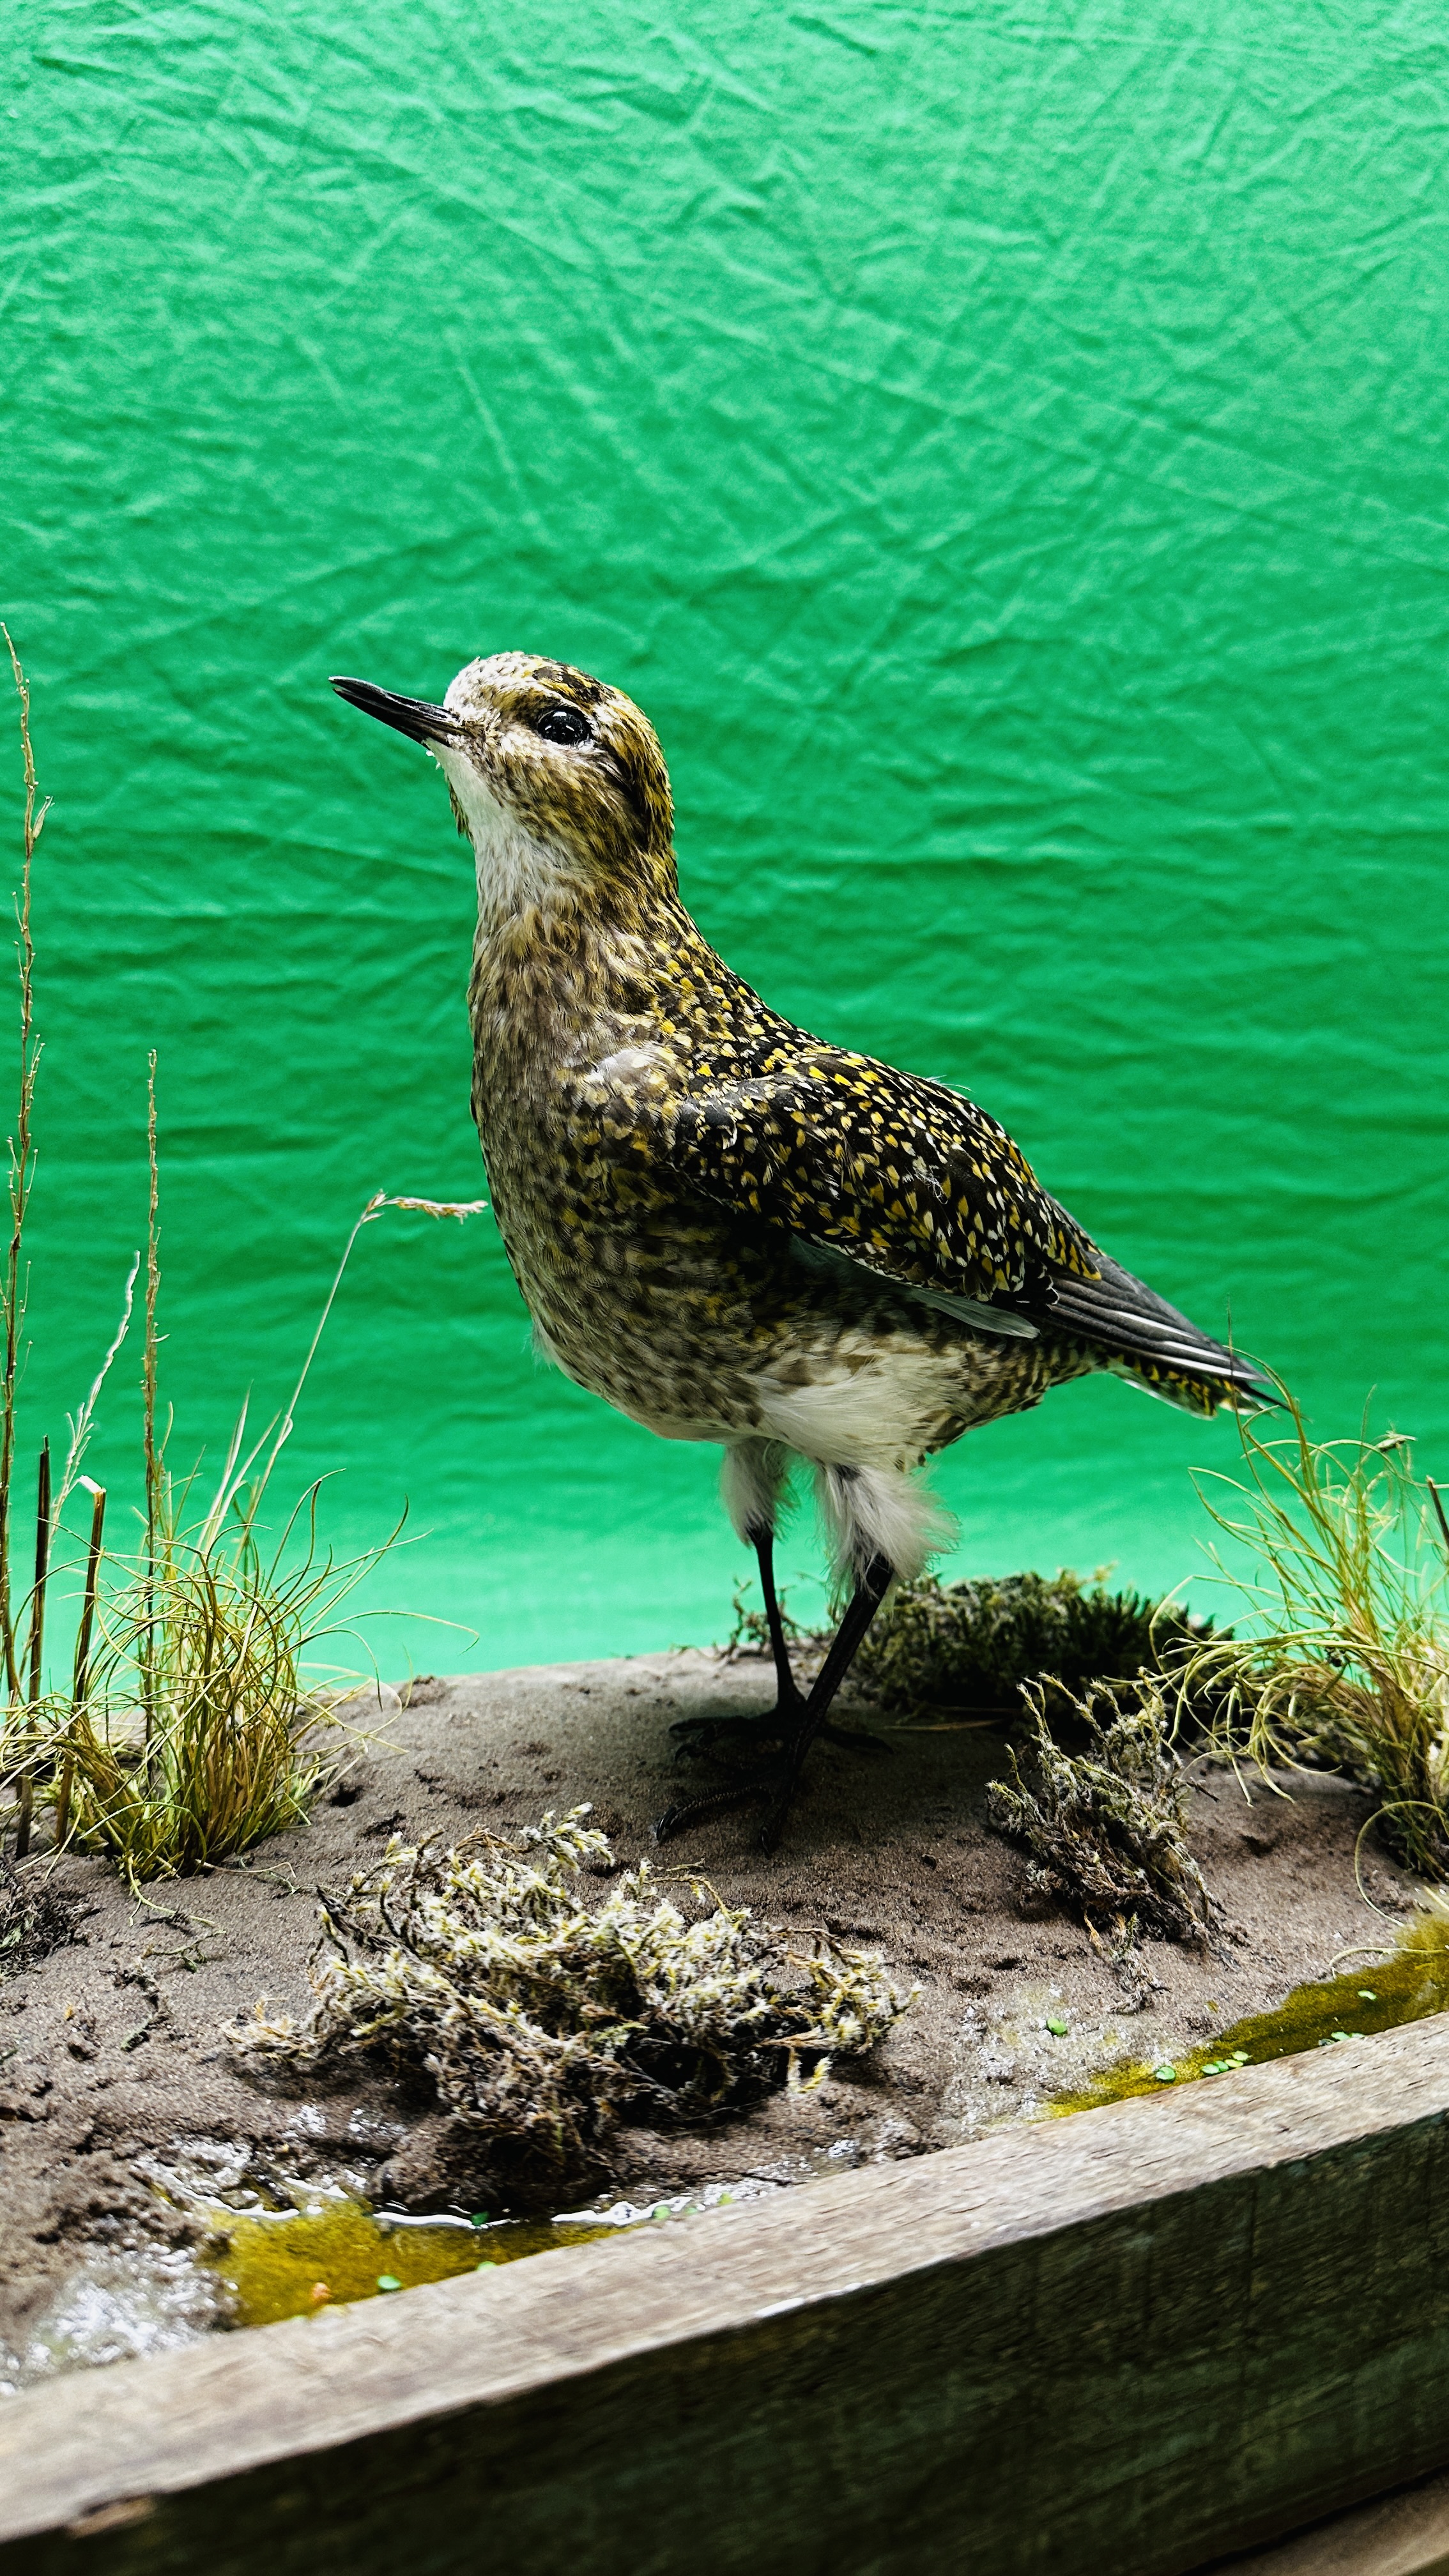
x: 1404, y: 2534
x: 1124, y: 2342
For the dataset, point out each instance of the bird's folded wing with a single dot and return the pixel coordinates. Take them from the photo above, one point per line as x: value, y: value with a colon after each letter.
x: 904, y: 1176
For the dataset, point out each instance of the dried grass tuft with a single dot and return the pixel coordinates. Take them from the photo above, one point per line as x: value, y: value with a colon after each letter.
x: 188, y: 1731
x: 197, y: 1736
x: 1347, y: 1665
x: 1106, y: 1829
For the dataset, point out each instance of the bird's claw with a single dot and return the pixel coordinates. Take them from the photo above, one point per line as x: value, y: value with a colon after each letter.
x: 778, y: 1784
x: 718, y: 1802
x: 696, y: 1734
x: 795, y: 1723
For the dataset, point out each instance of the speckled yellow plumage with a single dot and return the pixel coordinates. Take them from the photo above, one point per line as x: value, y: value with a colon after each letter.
x: 728, y: 1228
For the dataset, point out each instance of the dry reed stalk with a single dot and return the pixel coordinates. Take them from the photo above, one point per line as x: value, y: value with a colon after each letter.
x: 21, y: 1171
x: 36, y: 1641
x: 188, y: 1731
x: 151, y: 1455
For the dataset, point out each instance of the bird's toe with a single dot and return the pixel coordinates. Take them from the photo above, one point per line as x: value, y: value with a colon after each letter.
x: 715, y: 1802
x: 854, y: 1739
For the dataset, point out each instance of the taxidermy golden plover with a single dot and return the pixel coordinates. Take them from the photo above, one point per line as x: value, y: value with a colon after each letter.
x: 725, y: 1227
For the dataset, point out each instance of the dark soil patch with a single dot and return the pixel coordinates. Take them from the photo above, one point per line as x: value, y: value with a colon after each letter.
x: 36, y: 1917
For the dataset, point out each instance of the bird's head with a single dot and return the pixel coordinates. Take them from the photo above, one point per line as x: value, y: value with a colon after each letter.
x: 558, y: 781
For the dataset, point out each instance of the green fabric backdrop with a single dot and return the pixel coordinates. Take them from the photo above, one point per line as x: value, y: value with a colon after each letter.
x: 1002, y: 446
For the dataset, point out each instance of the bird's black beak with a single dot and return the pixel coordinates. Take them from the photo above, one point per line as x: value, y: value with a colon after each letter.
x: 412, y: 716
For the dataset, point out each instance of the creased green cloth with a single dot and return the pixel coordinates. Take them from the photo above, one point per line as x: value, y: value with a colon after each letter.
x: 1002, y: 446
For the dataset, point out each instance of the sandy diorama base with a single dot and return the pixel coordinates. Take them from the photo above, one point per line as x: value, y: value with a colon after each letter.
x: 124, y: 2110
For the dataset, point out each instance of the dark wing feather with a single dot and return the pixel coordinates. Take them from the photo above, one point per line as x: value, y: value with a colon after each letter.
x: 921, y: 1187
x: 906, y: 1177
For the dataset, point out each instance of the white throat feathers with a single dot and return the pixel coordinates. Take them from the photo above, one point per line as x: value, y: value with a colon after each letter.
x: 517, y: 872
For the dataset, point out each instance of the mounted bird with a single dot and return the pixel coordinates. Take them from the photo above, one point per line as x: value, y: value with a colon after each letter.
x: 729, y: 1229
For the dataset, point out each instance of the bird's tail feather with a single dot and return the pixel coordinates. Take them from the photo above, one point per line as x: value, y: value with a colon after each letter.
x: 1153, y: 1344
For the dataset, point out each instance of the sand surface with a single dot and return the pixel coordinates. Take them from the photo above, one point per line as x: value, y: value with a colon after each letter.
x: 114, y: 2078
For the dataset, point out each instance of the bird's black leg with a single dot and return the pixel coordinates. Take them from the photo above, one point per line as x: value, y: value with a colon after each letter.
x: 693, y: 1734
x: 777, y: 1785
x: 789, y: 1698
x: 866, y: 1599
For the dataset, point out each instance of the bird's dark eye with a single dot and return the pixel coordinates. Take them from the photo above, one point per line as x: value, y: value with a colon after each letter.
x: 561, y: 724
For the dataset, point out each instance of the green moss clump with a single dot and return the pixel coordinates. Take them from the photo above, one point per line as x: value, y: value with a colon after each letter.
x: 968, y: 1647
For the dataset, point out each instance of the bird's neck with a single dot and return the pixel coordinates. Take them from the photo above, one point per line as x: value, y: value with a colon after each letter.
x: 530, y: 882
x: 561, y: 961
x: 525, y: 888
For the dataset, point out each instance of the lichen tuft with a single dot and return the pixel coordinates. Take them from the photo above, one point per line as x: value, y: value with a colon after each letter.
x: 543, y: 2022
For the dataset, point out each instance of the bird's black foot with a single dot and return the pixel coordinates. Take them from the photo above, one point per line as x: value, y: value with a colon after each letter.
x: 700, y: 1735
x: 794, y: 1723
x: 772, y: 1789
